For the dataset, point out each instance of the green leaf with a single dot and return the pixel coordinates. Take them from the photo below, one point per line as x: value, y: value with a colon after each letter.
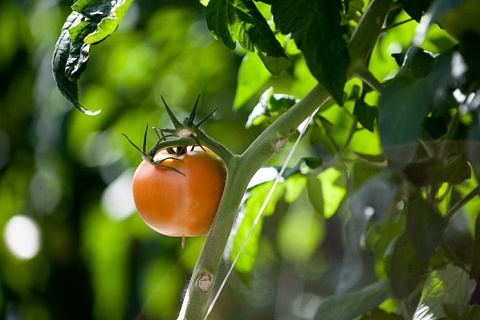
x: 406, y: 101
x: 251, y: 77
x: 365, y: 114
x: 406, y: 268
x: 461, y: 311
x: 91, y: 22
x: 270, y: 107
x: 450, y: 285
x: 354, y: 304
x: 475, y: 270
x: 61, y: 57
x: 379, y: 314
x: 334, y: 184
x: 315, y: 194
x: 315, y: 27
x: 415, y: 8
x: 247, y: 215
x: 240, y: 20
x: 424, y: 225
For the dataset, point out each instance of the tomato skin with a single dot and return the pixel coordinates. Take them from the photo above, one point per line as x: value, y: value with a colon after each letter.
x: 175, y: 204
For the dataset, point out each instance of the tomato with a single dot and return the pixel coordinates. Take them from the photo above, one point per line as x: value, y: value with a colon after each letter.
x: 179, y: 200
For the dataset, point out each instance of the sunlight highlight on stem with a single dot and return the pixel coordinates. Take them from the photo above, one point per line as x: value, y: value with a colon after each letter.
x: 260, y: 212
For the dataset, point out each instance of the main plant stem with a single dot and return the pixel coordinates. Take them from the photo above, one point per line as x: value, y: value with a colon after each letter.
x: 241, y: 168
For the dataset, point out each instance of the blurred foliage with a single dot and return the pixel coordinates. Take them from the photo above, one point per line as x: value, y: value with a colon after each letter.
x: 70, y: 173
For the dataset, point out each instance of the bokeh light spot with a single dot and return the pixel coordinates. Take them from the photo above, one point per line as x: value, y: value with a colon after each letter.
x: 117, y: 200
x: 22, y: 237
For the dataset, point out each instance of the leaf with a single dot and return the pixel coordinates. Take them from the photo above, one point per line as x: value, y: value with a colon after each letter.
x: 315, y: 27
x: 270, y: 107
x: 247, y: 215
x: 415, y: 8
x: 354, y: 304
x: 315, y: 194
x: 406, y: 101
x: 475, y: 270
x: 90, y: 23
x: 379, y: 314
x: 365, y: 205
x: 461, y: 311
x: 240, y: 20
x: 450, y: 285
x: 406, y: 268
x: 334, y: 184
x: 424, y: 225
x: 67, y: 87
x: 365, y: 114
x: 251, y: 77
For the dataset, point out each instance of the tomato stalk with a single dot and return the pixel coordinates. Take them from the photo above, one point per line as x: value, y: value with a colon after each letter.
x: 241, y: 168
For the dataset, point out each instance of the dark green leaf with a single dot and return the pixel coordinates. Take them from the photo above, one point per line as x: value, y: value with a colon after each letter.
x: 415, y: 8
x: 90, y: 22
x: 424, y: 225
x: 61, y: 56
x: 365, y: 114
x: 240, y: 20
x: 424, y: 172
x: 315, y: 27
x: 406, y: 101
x: 315, y: 194
x: 461, y: 311
x: 366, y: 205
x: 351, y: 305
x: 379, y: 314
x: 475, y: 270
x: 362, y: 172
x: 313, y: 162
x: 406, y: 268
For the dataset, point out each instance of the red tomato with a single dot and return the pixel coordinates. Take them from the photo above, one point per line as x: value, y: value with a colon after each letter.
x: 179, y: 204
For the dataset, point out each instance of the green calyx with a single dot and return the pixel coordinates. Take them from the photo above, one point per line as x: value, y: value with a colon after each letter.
x: 175, y: 141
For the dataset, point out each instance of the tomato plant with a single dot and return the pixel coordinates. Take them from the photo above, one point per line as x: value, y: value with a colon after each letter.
x: 386, y: 99
x: 180, y: 197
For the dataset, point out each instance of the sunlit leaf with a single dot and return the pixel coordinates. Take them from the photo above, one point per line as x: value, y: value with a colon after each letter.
x: 406, y: 268
x: 353, y: 304
x: 450, y: 285
x: 247, y: 215
x: 251, y: 77
x: 240, y: 20
x: 270, y: 106
x: 327, y: 56
x: 333, y: 189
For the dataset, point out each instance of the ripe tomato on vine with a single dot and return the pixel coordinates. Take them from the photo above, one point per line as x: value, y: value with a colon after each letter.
x: 179, y: 184
x: 179, y: 198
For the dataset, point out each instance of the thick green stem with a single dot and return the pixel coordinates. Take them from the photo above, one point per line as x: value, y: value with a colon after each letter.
x: 240, y: 169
